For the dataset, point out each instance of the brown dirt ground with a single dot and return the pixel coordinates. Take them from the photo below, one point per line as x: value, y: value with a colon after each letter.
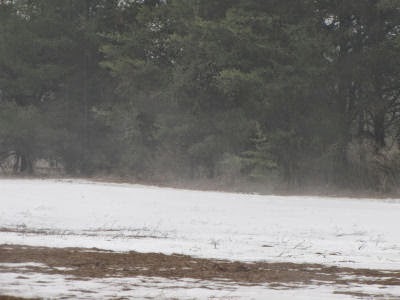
x: 94, y: 263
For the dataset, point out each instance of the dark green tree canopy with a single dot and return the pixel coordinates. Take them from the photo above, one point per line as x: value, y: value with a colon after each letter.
x: 275, y: 93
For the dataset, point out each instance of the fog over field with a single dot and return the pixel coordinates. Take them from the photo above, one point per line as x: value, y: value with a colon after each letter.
x: 199, y: 149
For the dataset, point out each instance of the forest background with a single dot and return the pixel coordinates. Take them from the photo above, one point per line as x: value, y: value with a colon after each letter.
x: 251, y: 95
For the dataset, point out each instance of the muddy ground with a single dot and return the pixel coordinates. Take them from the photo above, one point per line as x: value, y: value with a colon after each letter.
x: 95, y: 263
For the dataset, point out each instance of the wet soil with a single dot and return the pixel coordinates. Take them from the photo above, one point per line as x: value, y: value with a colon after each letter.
x: 95, y: 263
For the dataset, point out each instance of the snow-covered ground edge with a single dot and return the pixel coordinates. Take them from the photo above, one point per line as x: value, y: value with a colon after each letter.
x: 359, y: 233
x: 34, y: 285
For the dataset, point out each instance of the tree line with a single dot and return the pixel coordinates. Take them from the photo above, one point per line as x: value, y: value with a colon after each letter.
x: 280, y: 93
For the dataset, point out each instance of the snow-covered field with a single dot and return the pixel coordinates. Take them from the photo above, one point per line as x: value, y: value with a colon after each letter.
x: 37, y: 285
x: 350, y: 232
x: 65, y: 287
x: 356, y: 233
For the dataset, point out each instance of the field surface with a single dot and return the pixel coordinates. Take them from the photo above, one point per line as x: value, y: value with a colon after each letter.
x: 86, y: 240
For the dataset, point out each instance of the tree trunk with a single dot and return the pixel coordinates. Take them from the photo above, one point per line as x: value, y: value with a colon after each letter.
x: 379, y: 130
x: 23, y: 163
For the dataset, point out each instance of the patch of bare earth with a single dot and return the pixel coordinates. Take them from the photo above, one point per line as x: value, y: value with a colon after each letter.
x: 95, y: 263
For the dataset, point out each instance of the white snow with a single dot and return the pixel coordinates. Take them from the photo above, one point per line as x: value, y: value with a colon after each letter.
x: 58, y: 286
x: 122, y: 217
x: 31, y: 284
x: 22, y: 266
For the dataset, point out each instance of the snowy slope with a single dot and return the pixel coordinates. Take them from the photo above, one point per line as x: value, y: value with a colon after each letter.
x: 338, y: 231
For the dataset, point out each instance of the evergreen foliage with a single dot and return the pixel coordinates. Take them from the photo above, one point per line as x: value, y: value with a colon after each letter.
x: 290, y: 93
